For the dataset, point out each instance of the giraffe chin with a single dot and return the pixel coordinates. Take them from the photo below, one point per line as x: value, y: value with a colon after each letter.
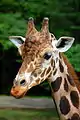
x: 21, y: 96
x: 18, y: 93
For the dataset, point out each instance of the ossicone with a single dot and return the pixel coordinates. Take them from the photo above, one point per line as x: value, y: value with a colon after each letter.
x: 31, y: 27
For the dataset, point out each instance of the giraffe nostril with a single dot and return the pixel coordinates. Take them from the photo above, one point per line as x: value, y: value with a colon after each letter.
x: 23, y: 82
x: 13, y: 86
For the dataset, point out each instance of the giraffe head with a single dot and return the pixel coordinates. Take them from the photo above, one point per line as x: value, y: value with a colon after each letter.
x: 38, y: 51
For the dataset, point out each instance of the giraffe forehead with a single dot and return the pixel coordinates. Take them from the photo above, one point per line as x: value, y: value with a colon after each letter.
x: 35, y: 44
x: 33, y: 50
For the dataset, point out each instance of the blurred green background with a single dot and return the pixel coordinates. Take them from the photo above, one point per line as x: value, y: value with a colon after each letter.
x: 64, y: 21
x: 28, y: 114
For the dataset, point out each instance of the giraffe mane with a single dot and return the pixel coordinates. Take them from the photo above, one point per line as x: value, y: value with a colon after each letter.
x: 71, y: 71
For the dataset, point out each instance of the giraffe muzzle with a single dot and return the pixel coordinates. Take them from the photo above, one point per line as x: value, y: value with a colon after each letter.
x: 18, y: 91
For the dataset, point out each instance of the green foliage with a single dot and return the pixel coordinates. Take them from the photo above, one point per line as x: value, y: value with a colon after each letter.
x: 64, y: 15
x: 11, y: 24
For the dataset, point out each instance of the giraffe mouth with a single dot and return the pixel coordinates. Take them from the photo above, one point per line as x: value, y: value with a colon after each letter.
x: 18, y: 92
x: 19, y: 96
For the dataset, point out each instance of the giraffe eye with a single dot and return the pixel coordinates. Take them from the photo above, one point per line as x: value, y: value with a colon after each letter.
x: 47, y: 55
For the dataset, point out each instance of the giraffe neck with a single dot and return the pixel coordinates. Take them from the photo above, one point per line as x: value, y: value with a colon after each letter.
x: 65, y: 93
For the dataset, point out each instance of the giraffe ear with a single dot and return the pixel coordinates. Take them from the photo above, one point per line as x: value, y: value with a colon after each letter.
x: 64, y: 43
x: 17, y: 40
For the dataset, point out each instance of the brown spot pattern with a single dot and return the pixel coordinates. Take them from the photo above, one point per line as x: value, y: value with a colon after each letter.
x: 71, y: 71
x: 56, y: 60
x: 48, y: 70
x: 35, y: 74
x: 65, y: 85
x: 56, y: 84
x: 30, y: 68
x: 43, y: 73
x: 52, y: 62
x: 75, y: 117
x: 64, y: 105
x: 61, y: 67
x: 37, y: 81
x: 74, y: 98
x: 60, y: 55
x: 55, y: 72
x: 49, y: 74
x: 70, y: 80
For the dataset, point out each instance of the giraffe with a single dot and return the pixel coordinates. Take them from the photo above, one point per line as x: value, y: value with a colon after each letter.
x: 42, y: 59
x: 71, y: 71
